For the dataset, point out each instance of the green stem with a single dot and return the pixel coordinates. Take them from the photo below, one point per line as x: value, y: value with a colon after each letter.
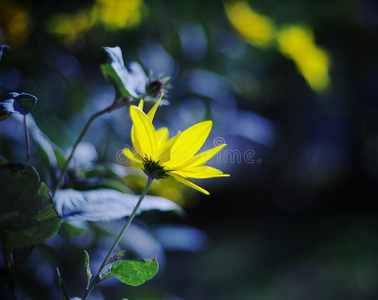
x: 27, y: 140
x: 24, y: 253
x: 114, y: 106
x: 8, y: 260
x: 97, y: 278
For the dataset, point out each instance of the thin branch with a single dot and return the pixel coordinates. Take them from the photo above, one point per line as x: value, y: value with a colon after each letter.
x: 27, y: 140
x: 114, y: 106
x: 97, y: 278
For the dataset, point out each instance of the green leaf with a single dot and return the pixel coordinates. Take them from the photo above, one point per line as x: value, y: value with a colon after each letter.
x: 134, y: 271
x: 60, y: 158
x: 3, y: 115
x: 116, y: 257
x: 74, y: 229
x: 128, y: 82
x: 89, y: 272
x: 111, y: 75
x: 27, y: 215
x: 16, y: 103
x: 63, y: 288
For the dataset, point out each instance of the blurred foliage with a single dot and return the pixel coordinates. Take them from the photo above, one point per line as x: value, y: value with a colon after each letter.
x: 291, y: 87
x: 112, y: 14
x: 15, y: 21
x: 255, y: 28
x: 295, y: 41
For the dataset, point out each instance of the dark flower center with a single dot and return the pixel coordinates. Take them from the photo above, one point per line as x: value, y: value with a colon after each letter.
x: 153, y: 169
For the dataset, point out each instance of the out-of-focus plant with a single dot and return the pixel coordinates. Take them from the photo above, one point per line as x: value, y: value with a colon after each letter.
x: 112, y: 14
x: 32, y: 213
x: 15, y: 21
x: 255, y: 28
x: 294, y: 41
x: 297, y: 43
x: 115, y: 14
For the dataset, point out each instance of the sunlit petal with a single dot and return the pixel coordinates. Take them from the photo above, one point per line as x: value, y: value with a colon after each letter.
x: 135, y: 158
x: 164, y: 151
x: 200, y: 172
x: 189, y: 142
x: 162, y: 136
x: 141, y: 104
x: 135, y: 141
x: 202, y: 157
x: 151, y: 113
x: 190, y: 184
x: 144, y: 132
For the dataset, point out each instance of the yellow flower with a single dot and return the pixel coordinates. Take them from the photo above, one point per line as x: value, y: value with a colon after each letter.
x: 176, y: 157
x: 297, y: 42
x: 255, y: 28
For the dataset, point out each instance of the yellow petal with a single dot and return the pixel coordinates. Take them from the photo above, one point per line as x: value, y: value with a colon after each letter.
x: 151, y: 113
x: 135, y: 141
x: 200, y: 172
x: 202, y: 157
x: 162, y: 136
x: 190, y: 184
x: 144, y: 132
x: 141, y: 104
x: 130, y: 155
x: 189, y: 142
x: 134, y: 138
x: 164, y: 150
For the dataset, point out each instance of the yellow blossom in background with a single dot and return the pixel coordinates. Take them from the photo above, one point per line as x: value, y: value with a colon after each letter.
x: 297, y: 43
x: 14, y: 22
x: 112, y: 14
x: 72, y: 27
x: 176, y: 157
x: 119, y: 14
x: 255, y: 28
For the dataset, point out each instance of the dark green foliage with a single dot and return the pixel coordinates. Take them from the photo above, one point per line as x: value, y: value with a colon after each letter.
x: 27, y: 215
x: 134, y: 272
x: 16, y: 103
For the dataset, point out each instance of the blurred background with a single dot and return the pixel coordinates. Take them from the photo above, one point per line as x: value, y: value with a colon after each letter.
x: 291, y: 87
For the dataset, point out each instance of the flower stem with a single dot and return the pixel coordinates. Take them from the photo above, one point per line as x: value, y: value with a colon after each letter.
x: 8, y: 261
x: 27, y: 140
x: 97, y: 278
x: 114, y: 106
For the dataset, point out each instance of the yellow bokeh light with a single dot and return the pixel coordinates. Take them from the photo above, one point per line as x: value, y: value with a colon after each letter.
x: 294, y: 41
x: 112, y: 14
x: 14, y: 21
x: 297, y: 43
x: 119, y: 14
x: 255, y: 28
x: 71, y: 27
